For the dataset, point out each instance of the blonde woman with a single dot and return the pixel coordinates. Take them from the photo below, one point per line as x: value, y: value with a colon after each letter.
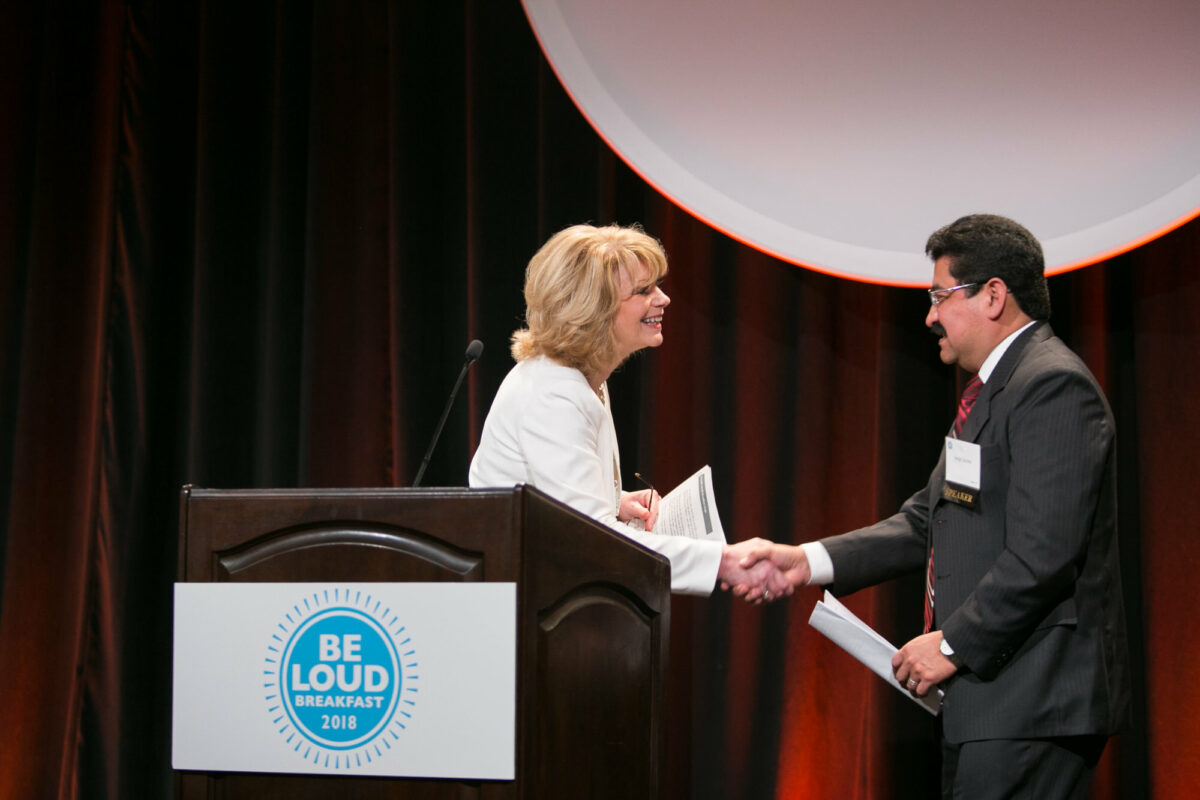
x: 593, y: 298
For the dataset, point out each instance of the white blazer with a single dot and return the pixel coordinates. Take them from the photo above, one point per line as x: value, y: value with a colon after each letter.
x: 547, y: 428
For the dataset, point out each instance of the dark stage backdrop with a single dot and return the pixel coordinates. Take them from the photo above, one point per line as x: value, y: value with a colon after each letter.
x: 245, y: 245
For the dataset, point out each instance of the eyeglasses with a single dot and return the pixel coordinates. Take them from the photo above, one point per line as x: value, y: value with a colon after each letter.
x: 649, y: 505
x: 936, y: 296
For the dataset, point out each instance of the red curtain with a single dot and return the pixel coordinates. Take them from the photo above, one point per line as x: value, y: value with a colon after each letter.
x: 246, y: 244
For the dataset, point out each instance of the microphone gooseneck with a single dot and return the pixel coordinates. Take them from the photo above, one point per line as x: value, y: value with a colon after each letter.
x: 474, y: 351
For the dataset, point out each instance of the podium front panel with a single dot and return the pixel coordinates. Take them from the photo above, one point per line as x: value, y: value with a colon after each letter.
x: 593, y: 613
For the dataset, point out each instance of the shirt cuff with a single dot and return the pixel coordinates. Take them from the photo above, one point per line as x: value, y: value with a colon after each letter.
x: 820, y: 565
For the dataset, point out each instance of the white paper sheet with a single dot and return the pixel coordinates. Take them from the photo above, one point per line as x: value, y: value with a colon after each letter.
x: 857, y: 638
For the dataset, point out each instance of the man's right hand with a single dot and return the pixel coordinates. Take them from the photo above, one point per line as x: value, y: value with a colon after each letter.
x: 789, y: 559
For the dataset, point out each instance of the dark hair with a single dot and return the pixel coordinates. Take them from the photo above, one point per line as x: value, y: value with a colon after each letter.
x: 986, y: 246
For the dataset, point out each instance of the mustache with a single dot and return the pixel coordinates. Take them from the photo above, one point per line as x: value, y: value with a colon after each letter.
x: 937, y: 330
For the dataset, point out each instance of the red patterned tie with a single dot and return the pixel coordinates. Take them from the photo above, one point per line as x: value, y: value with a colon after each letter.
x: 969, y: 395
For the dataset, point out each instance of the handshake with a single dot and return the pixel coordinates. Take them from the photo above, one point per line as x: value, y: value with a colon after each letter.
x: 760, y: 571
x: 757, y: 570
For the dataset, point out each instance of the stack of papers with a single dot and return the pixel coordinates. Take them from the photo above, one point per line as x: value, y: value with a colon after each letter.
x: 689, y: 510
x: 857, y: 638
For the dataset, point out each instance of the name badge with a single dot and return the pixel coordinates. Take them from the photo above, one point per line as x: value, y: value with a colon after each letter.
x: 963, y: 461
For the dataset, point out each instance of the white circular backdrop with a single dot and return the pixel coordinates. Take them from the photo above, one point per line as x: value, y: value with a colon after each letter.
x: 838, y: 136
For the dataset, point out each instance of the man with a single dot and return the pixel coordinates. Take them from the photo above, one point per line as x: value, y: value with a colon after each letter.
x: 1016, y: 532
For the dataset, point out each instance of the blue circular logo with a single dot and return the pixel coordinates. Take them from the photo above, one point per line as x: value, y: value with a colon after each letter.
x: 340, y: 678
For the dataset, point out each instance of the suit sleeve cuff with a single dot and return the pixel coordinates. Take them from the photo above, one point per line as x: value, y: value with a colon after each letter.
x: 820, y: 565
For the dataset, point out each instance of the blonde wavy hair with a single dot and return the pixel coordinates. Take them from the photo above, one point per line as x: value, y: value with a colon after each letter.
x: 573, y: 290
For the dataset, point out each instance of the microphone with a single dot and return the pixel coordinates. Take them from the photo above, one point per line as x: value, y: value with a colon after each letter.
x: 474, y: 350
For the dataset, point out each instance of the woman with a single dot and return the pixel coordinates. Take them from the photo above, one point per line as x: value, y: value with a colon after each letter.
x: 593, y: 299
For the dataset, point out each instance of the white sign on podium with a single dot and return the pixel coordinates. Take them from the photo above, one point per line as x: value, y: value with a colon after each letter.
x: 381, y: 679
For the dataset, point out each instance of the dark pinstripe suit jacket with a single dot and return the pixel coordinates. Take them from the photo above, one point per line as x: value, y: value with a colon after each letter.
x: 1028, y: 583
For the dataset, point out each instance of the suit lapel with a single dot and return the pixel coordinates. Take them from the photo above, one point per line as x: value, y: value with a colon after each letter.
x: 981, y: 411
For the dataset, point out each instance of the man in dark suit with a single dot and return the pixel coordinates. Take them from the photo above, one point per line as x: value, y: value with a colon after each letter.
x: 1016, y: 531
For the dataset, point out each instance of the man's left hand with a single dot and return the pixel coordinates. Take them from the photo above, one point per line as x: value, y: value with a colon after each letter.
x: 920, y: 665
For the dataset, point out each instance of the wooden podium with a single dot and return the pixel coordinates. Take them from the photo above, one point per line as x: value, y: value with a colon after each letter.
x: 593, y: 611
